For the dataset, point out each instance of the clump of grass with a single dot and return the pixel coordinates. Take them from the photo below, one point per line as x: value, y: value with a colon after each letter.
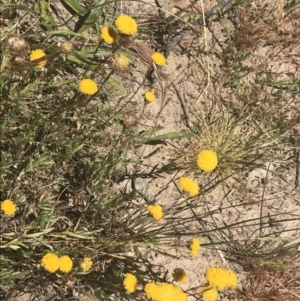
x: 240, y: 145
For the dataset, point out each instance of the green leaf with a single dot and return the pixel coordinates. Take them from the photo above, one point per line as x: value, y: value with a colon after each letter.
x: 174, y: 135
x: 64, y: 33
x: 74, y: 6
x: 152, y: 130
x: 38, y: 234
x: 14, y: 247
x: 79, y: 234
x: 90, y: 18
x: 41, y: 9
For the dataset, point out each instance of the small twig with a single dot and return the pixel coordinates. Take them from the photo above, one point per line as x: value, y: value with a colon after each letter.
x: 297, y: 168
x: 209, y: 237
x: 262, y: 201
x: 206, y: 46
x: 186, y: 116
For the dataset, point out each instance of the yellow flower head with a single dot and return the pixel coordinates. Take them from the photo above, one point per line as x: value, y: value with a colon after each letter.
x: 179, y: 275
x: 152, y: 290
x: 207, y: 160
x: 50, y: 262
x: 189, y: 185
x: 88, y: 86
x: 119, y: 62
x: 156, y: 211
x: 158, y: 59
x: 38, y: 54
x: 65, y: 264
x: 8, y: 207
x: 210, y: 294
x: 109, y: 35
x: 221, y: 278
x: 126, y: 25
x: 130, y: 283
x: 149, y: 96
x: 86, y: 264
x: 164, y: 292
x: 195, y: 246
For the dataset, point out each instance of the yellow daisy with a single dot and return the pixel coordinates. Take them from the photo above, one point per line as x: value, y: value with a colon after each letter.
x: 158, y: 59
x: 207, y: 160
x: 126, y: 25
x: 221, y: 278
x: 189, y: 185
x: 65, y: 264
x: 149, y: 96
x: 38, y: 54
x: 109, y: 35
x: 88, y: 86
x: 8, y: 207
x: 210, y: 294
x: 195, y: 246
x: 156, y: 211
x: 86, y: 264
x: 50, y: 262
x: 164, y: 292
x: 130, y: 283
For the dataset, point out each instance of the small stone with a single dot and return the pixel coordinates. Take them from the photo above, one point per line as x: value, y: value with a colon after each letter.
x: 141, y: 184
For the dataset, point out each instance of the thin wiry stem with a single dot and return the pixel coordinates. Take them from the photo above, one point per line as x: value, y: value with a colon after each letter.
x: 216, y: 10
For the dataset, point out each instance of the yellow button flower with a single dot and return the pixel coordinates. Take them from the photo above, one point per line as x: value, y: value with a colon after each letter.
x: 158, y: 59
x: 164, y: 292
x: 179, y: 275
x: 207, y: 160
x: 126, y: 25
x: 130, y: 283
x: 38, y: 54
x: 109, y: 35
x: 210, y: 294
x: 195, y: 246
x: 65, y: 264
x: 50, y: 262
x: 149, y: 96
x: 221, y: 278
x: 156, y: 211
x: 8, y: 207
x: 189, y: 185
x: 86, y: 264
x: 88, y: 86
